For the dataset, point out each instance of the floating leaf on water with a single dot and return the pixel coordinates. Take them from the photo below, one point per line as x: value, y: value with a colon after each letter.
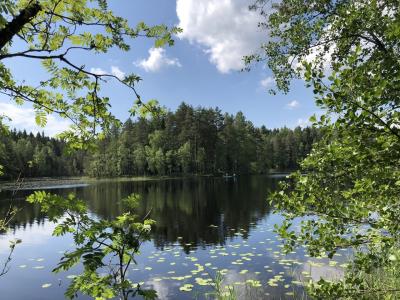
x: 243, y: 272
x: 191, y: 258
x: 186, y: 288
x: 201, y: 281
x: 223, y: 271
x: 23, y: 266
x: 253, y: 283
x: 46, y: 285
x: 148, y: 268
x: 305, y: 273
x: 247, y: 258
x: 38, y: 267
x: 179, y: 278
x: 71, y: 276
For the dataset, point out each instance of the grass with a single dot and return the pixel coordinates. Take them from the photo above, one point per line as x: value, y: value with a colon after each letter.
x: 383, y: 283
x: 220, y: 290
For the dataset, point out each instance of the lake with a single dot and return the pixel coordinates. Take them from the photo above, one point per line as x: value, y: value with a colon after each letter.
x: 203, y: 225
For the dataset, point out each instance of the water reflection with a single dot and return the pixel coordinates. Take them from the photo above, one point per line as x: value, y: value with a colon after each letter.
x: 194, y: 212
x: 204, y: 226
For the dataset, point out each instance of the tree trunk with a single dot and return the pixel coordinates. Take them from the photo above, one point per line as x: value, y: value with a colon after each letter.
x: 15, y: 26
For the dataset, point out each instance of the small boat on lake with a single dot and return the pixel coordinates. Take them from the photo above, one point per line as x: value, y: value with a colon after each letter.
x: 229, y: 176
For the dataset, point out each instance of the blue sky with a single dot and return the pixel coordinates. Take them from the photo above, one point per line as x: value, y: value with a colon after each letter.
x: 202, y: 68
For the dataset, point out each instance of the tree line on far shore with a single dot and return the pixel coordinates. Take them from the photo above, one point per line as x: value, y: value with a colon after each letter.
x: 187, y: 141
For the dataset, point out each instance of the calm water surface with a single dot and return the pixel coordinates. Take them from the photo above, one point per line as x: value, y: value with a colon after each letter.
x: 203, y: 225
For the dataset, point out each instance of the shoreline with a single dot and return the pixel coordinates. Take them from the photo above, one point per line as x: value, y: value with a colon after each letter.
x: 67, y: 182
x: 63, y: 182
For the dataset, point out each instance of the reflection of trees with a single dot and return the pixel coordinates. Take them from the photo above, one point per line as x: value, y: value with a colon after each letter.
x: 190, y: 207
x: 27, y: 215
x: 182, y: 208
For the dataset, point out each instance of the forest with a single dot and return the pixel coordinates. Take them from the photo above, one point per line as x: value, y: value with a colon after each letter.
x: 332, y: 227
x: 190, y: 140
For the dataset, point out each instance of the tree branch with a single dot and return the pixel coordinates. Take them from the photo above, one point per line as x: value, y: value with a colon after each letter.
x: 15, y: 26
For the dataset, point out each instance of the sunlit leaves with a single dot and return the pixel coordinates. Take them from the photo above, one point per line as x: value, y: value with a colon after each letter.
x: 346, y: 192
x: 99, y: 243
x: 51, y: 36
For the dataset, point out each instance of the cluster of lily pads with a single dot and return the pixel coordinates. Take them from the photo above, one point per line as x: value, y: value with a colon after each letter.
x: 242, y: 263
x: 254, y: 262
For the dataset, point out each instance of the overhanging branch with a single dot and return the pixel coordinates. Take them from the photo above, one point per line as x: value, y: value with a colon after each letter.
x: 15, y: 26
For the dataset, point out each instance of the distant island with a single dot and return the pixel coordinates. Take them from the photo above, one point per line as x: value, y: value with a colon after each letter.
x: 189, y: 141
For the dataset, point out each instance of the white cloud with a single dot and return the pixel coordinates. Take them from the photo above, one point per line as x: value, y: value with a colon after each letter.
x: 24, y: 118
x: 98, y: 71
x: 319, y: 56
x: 226, y: 29
x: 157, y: 59
x: 163, y: 289
x: 117, y: 72
x: 293, y: 104
x: 267, y: 82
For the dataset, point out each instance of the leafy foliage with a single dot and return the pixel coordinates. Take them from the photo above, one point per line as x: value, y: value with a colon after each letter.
x: 102, y: 246
x: 348, y: 187
x: 50, y: 32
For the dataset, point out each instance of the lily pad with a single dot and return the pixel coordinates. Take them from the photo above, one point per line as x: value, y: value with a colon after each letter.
x: 186, y: 288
